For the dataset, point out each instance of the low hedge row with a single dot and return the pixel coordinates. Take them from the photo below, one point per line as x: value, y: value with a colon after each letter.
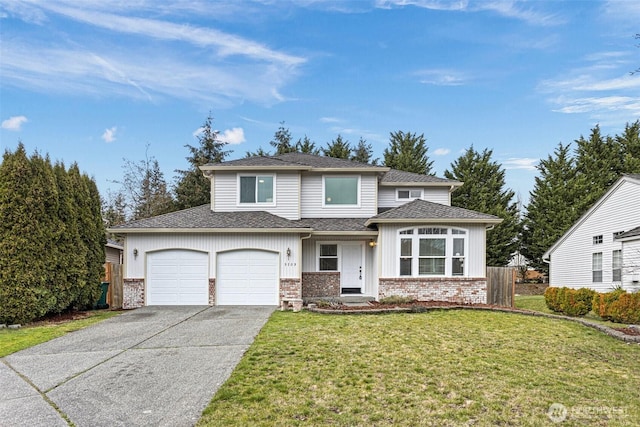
x: 617, y: 306
x: 572, y: 302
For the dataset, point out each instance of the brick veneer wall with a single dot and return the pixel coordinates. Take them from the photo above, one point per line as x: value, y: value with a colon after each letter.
x: 212, y: 291
x: 321, y: 284
x: 290, y: 288
x: 467, y: 290
x: 132, y: 293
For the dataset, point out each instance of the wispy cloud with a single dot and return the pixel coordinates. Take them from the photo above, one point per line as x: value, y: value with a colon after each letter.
x: 441, y: 151
x: 109, y: 135
x: 441, y: 77
x: 14, y: 123
x: 233, y: 136
x: 515, y: 9
x: 525, y: 163
x: 330, y: 120
x: 602, y: 88
x: 152, y: 59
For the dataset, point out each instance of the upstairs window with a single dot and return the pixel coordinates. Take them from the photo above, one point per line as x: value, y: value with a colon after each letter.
x: 409, y: 194
x: 597, y: 240
x: 256, y: 189
x: 341, y: 190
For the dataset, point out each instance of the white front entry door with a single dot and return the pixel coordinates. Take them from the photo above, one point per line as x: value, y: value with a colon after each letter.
x: 352, y: 268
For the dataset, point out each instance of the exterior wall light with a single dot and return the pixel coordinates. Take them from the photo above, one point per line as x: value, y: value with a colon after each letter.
x: 288, y: 253
x: 372, y: 243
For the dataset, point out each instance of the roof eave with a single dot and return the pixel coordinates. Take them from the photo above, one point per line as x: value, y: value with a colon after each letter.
x: 455, y: 184
x: 370, y: 169
x: 252, y: 168
x: 345, y: 233
x: 488, y: 221
x: 207, y: 230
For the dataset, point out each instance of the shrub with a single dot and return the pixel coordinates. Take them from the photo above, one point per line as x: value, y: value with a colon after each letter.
x: 396, y: 299
x: 602, y: 302
x: 572, y: 302
x: 626, y: 309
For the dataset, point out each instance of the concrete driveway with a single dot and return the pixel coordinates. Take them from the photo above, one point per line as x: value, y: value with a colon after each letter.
x: 152, y: 366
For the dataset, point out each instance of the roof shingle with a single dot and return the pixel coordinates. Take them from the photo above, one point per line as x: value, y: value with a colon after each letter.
x: 424, y: 210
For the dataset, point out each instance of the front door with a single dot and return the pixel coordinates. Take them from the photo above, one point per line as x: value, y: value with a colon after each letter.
x: 352, y: 269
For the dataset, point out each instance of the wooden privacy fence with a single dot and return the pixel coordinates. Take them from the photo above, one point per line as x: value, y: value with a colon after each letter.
x: 501, y: 283
x: 113, y: 275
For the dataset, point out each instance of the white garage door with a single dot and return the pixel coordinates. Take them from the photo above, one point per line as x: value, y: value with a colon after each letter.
x: 247, y: 277
x: 177, y: 277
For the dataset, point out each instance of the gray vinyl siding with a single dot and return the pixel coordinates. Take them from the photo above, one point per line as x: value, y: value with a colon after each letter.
x: 388, y: 244
x: 312, y: 203
x: 112, y: 255
x: 387, y: 196
x: 286, y: 192
x: 570, y: 262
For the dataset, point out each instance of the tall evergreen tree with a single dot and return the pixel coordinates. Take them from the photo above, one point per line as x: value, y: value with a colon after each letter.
x: 599, y: 163
x: 282, y: 141
x: 192, y: 188
x: 307, y: 146
x: 553, y: 205
x: 484, y: 190
x: 629, y: 142
x: 338, y: 148
x: 363, y: 153
x: 408, y: 152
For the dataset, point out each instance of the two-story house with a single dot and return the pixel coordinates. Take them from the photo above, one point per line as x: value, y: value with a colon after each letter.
x: 304, y: 226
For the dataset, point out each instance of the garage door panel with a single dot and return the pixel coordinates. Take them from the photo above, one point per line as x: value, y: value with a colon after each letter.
x: 247, y: 277
x: 178, y: 277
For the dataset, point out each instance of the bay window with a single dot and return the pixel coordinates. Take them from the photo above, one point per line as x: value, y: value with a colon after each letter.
x: 432, y: 251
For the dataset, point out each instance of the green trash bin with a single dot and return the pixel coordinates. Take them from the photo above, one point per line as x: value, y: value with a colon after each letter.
x: 102, y: 302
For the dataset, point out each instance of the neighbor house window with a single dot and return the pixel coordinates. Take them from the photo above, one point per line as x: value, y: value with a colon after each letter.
x: 409, y: 194
x: 432, y: 251
x: 328, y: 259
x: 341, y: 190
x: 596, y: 267
x: 616, y: 265
x: 597, y: 240
x: 256, y: 188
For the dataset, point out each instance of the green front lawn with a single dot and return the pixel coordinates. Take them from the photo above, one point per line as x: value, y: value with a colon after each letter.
x: 438, y: 368
x: 28, y: 336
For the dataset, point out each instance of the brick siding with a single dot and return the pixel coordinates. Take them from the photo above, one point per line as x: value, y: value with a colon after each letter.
x: 212, y: 291
x: 464, y: 290
x: 321, y: 284
x: 290, y: 288
x: 132, y: 293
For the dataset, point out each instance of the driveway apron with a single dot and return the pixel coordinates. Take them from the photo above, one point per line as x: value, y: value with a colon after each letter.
x: 151, y: 366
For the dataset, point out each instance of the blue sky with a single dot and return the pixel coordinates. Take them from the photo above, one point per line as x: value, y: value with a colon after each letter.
x: 94, y: 81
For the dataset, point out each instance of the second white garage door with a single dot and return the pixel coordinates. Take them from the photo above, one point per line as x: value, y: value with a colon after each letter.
x: 247, y: 277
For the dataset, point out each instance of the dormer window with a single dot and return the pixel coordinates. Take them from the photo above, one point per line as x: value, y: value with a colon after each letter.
x: 256, y: 189
x: 409, y: 194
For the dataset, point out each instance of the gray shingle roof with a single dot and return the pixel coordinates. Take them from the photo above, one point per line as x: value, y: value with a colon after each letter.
x: 301, y: 160
x: 336, y: 224
x: 395, y: 176
x: 202, y: 217
x: 631, y: 233
x: 424, y: 210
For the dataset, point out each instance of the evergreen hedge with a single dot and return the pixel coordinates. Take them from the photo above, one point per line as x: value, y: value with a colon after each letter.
x: 52, y: 238
x: 572, y: 302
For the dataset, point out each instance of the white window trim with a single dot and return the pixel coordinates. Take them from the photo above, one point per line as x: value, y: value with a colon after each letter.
x: 449, y: 255
x: 256, y: 175
x: 338, y: 254
x: 398, y: 199
x: 358, y: 188
x: 601, y: 269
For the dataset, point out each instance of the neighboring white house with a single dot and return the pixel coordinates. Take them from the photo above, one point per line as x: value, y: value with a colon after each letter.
x: 303, y: 226
x: 590, y: 255
x: 631, y: 258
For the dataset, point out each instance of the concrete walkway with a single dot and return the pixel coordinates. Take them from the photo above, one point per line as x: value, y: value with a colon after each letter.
x: 152, y: 366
